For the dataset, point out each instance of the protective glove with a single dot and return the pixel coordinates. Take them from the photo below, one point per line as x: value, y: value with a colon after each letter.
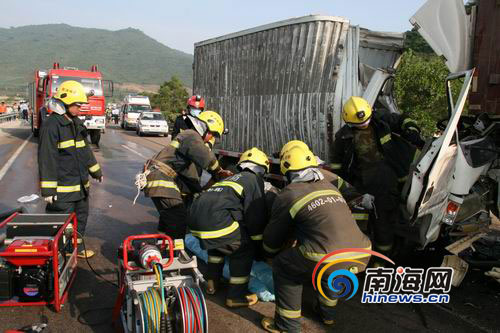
x: 368, y: 201
x: 412, y: 134
x: 222, y: 174
x: 494, y: 273
x: 50, y: 200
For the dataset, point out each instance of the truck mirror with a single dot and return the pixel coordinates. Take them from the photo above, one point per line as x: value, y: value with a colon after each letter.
x: 107, y: 88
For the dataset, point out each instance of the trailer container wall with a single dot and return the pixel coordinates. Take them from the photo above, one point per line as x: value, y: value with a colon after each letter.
x: 485, y: 95
x: 288, y: 80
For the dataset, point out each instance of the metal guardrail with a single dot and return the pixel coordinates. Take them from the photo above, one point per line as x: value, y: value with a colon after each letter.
x: 8, y: 117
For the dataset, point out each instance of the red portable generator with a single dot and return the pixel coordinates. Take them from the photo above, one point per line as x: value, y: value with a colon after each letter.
x: 38, y: 257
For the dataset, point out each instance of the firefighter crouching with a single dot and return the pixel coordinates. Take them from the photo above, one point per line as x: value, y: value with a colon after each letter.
x: 229, y: 219
x: 65, y: 159
x: 312, y: 211
x: 172, y: 176
x: 373, y: 151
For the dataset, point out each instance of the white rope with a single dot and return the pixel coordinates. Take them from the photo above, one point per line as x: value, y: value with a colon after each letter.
x: 140, y: 182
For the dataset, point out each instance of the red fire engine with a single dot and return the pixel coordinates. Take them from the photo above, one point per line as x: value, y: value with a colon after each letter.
x: 45, y: 86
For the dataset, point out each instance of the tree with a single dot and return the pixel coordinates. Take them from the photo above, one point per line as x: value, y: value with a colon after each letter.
x: 420, y: 89
x: 171, y: 98
x: 415, y: 42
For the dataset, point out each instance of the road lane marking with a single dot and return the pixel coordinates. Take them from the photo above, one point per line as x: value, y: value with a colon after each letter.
x: 11, y: 160
x: 135, y: 152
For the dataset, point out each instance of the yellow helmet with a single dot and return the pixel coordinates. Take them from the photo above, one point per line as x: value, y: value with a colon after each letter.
x: 296, y: 159
x: 255, y: 156
x: 293, y: 143
x: 70, y: 92
x: 356, y: 111
x: 213, y: 120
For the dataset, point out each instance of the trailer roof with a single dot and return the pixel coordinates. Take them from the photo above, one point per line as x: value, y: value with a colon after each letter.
x: 295, y: 20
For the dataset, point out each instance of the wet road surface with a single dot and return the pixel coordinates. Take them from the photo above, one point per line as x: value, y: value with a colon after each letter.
x: 473, y: 307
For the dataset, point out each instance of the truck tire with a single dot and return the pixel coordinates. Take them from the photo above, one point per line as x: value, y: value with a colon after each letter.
x: 95, y: 136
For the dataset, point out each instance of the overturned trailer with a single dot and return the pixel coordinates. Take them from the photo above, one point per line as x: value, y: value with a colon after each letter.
x: 288, y: 80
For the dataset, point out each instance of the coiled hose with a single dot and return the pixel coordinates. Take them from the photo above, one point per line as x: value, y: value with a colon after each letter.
x: 155, y: 312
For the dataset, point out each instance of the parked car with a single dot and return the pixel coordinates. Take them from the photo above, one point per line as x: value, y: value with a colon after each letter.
x: 152, y: 123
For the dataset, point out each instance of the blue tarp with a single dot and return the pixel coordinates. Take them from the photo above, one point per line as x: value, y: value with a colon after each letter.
x: 261, y: 280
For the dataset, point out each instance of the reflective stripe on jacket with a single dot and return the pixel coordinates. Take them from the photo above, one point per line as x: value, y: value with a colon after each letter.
x: 65, y: 159
x: 317, y: 216
x: 183, y: 155
x: 217, y: 214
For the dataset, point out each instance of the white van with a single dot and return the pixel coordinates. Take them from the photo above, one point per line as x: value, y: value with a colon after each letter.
x: 133, y: 106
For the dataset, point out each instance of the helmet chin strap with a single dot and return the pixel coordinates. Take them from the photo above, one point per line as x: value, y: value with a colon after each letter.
x: 361, y: 125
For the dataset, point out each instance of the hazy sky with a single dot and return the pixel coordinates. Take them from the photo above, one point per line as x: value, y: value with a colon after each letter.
x: 179, y: 24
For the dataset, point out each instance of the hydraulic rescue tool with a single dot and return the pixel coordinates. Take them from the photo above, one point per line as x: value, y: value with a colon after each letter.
x: 159, y: 287
x: 37, y: 259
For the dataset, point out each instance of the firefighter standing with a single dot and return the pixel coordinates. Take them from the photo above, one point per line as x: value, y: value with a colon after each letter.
x: 195, y: 105
x: 229, y: 219
x: 65, y: 159
x: 313, y: 212
x: 172, y: 175
x: 374, y: 151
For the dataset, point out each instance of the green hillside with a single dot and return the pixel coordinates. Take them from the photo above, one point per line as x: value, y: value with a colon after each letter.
x: 123, y: 56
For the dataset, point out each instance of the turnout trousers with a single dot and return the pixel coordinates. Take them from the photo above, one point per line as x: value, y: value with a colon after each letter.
x: 173, y: 214
x: 241, y: 255
x: 290, y: 272
x: 80, y: 208
x: 382, y: 182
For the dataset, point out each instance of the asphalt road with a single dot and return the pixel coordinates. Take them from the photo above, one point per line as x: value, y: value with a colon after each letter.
x: 474, y: 307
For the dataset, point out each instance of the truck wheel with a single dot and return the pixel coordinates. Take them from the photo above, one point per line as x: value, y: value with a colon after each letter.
x: 95, y: 136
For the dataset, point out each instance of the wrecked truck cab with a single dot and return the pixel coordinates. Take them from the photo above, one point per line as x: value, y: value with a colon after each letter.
x: 445, y: 176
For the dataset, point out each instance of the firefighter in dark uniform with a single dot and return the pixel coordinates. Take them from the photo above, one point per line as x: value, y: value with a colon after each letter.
x: 65, y: 159
x: 348, y: 191
x: 374, y: 151
x: 312, y: 211
x: 229, y: 219
x: 195, y: 106
x: 172, y: 175
x: 180, y: 124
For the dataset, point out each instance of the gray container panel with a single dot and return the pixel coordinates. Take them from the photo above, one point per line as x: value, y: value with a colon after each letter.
x: 273, y: 85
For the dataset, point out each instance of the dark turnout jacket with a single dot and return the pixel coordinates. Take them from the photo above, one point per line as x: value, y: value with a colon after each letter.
x: 220, y: 213
x: 182, y: 156
x: 179, y: 125
x: 391, y: 133
x: 65, y: 159
x: 317, y: 216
